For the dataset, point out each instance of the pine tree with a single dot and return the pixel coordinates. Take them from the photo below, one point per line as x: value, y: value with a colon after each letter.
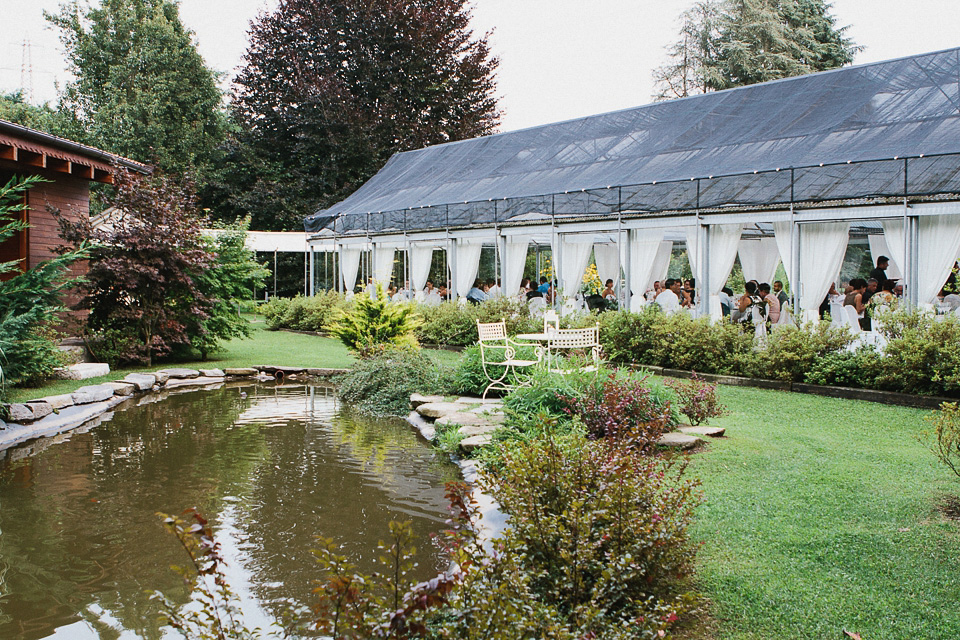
x: 732, y: 43
x: 332, y: 89
x: 141, y: 89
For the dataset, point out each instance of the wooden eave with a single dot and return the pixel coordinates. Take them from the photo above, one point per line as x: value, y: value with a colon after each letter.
x: 40, y: 156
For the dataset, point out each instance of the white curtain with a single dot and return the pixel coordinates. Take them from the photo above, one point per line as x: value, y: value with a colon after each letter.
x: 383, y: 264
x: 644, y: 245
x: 724, y: 240
x: 421, y: 257
x: 759, y: 259
x: 574, y: 256
x: 822, y: 246
x: 692, y: 245
x: 608, y: 262
x: 938, y: 237
x: 349, y: 265
x: 661, y: 264
x: 782, y: 232
x: 467, y: 264
x: 893, y: 235
x: 878, y: 247
x: 514, y: 260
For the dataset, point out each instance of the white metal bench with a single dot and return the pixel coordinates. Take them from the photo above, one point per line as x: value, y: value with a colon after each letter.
x: 493, y: 339
x: 585, y: 342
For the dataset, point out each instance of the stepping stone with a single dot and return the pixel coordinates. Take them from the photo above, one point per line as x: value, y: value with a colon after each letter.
x: 162, y: 376
x: 142, y: 381
x: 93, y: 393
x: 180, y: 373
x: 59, y: 402
x: 713, y: 432
x: 438, y: 409
x: 83, y: 370
x: 274, y: 369
x: 19, y: 412
x: 476, y: 400
x: 240, y: 371
x: 675, y: 440
x: 464, y: 419
x: 121, y: 388
x: 192, y: 382
x: 477, y: 430
x: 490, y: 412
x: 212, y: 373
x: 474, y: 442
x: 417, y: 399
x: 40, y: 408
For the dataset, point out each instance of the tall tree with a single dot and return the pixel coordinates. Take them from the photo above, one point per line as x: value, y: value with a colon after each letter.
x: 332, y: 89
x: 731, y: 43
x: 140, y: 87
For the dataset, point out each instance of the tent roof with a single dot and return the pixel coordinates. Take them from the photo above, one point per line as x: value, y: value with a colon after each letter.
x: 898, y: 108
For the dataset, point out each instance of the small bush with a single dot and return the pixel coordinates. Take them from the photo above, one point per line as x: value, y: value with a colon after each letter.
x: 373, y: 323
x: 620, y: 408
x: 115, y: 346
x: 470, y: 377
x: 922, y: 353
x: 311, y: 313
x: 697, y: 399
x: 946, y: 424
x: 381, y: 384
x: 791, y: 351
x: 846, y: 368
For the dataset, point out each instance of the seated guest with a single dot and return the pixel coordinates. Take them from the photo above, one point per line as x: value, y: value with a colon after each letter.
x: 858, y: 286
x: 832, y: 296
x: 493, y: 288
x: 872, y: 286
x: 898, y: 290
x: 751, y: 306
x: 669, y: 298
x: 885, y: 294
x: 773, y: 303
x: 544, y: 285
x: 391, y: 291
x: 726, y: 301
x: 533, y: 291
x: 476, y: 295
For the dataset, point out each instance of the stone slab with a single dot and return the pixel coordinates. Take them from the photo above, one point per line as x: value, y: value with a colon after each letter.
x: 92, y: 393
x: 121, y: 388
x: 240, y: 371
x: 420, y: 423
x: 474, y: 442
x: 438, y: 409
x: 83, y: 371
x: 59, y: 402
x: 161, y: 376
x: 464, y: 419
x: 477, y: 430
x: 142, y: 381
x: 74, y: 353
x: 180, y: 373
x: 19, y: 412
x: 212, y: 373
x: 39, y: 408
x: 325, y: 372
x: 69, y: 418
x: 713, y: 432
x: 491, y: 409
x: 191, y: 382
x: 476, y: 400
x: 676, y: 440
x: 417, y: 399
x: 273, y: 369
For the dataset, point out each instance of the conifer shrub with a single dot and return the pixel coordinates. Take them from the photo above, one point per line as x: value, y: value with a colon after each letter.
x: 373, y: 323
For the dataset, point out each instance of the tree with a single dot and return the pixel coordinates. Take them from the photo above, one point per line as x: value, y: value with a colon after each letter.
x: 143, y: 274
x: 331, y: 90
x: 141, y: 89
x: 732, y: 43
x: 31, y: 299
x: 14, y: 108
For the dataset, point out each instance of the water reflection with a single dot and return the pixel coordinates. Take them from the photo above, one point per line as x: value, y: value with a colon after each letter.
x: 272, y: 466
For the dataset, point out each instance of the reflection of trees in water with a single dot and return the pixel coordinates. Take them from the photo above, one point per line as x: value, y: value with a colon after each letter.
x: 78, y: 519
x: 80, y: 535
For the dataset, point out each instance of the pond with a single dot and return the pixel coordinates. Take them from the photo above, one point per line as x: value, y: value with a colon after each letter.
x: 271, y: 467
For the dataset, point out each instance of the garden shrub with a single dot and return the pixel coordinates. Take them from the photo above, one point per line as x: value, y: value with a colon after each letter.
x: 791, y: 351
x: 310, y: 313
x: 470, y: 377
x: 620, y: 408
x: 922, y: 353
x: 601, y: 530
x: 629, y: 337
x: 697, y: 399
x: 447, y: 324
x: 372, y: 323
x: 946, y: 424
x: 846, y: 368
x: 381, y: 383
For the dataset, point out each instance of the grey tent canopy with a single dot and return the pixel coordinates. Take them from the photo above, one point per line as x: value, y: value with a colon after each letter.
x: 882, y: 130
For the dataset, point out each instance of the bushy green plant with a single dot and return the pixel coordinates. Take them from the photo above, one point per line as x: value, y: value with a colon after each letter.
x: 602, y: 531
x: 846, y: 368
x: 381, y: 383
x: 683, y: 342
x: 300, y: 313
x: 470, y: 377
x: 111, y: 345
x: 922, y: 354
x: 791, y: 351
x: 373, y: 323
x: 697, y: 399
x: 946, y: 423
x: 450, y: 323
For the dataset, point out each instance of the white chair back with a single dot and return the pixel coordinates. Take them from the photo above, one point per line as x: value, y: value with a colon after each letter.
x: 837, y: 316
x: 536, y: 306
x: 852, y: 320
x: 551, y: 321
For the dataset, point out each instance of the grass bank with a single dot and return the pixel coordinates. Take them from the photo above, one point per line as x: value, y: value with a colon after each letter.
x: 821, y: 515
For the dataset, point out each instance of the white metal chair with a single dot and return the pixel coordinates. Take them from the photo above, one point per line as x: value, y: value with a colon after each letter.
x: 573, y: 342
x: 551, y: 321
x: 852, y: 320
x: 838, y: 317
x: 493, y: 339
x: 536, y: 306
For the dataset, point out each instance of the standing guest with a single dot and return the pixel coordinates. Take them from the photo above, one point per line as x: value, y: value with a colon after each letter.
x: 669, y: 298
x: 773, y: 303
x: 780, y: 293
x: 879, y: 273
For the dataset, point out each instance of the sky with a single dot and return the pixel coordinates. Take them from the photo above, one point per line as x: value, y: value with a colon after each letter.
x: 559, y: 59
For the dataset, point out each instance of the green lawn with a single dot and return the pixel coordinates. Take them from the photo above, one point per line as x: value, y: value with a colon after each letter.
x: 821, y: 515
